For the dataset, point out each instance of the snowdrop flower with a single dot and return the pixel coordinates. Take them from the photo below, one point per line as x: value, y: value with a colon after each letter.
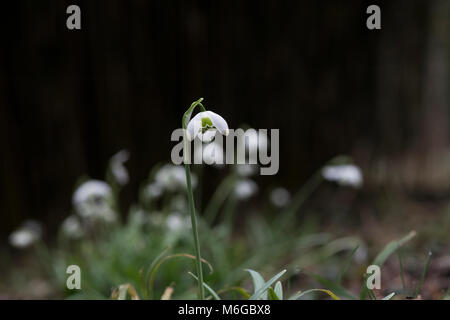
x: 91, y: 199
x: 280, y: 197
x: 213, y: 154
x: 246, y: 170
x: 26, y: 235
x: 176, y: 222
x: 344, y: 175
x: 72, y: 228
x: 119, y: 171
x: 173, y: 177
x: 153, y: 190
x: 245, y: 188
x: 205, y: 125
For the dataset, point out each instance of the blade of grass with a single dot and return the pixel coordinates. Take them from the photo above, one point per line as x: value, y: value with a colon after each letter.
x: 401, y: 272
x: 389, y: 249
x: 346, y: 265
x: 419, y: 287
x: 161, y: 261
x: 389, y: 296
x: 208, y: 288
x: 272, y: 294
x: 334, y: 287
x: 328, y: 292
x: 239, y: 290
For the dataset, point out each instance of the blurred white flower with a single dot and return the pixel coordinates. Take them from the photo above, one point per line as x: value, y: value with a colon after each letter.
x: 344, y: 175
x: 213, y: 154
x: 176, y: 222
x: 118, y: 169
x: 26, y: 235
x: 89, y: 190
x: 246, y: 170
x: 93, y: 199
x: 71, y: 227
x: 205, y: 124
x: 153, y: 190
x: 280, y: 197
x: 173, y: 178
x: 245, y: 188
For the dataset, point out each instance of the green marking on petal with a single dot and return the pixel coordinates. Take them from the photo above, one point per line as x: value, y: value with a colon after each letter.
x: 206, y: 124
x: 206, y: 121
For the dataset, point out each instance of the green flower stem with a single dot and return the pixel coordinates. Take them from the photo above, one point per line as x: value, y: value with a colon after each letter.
x: 186, y: 118
x: 301, y: 196
x: 308, y: 188
x: 219, y: 197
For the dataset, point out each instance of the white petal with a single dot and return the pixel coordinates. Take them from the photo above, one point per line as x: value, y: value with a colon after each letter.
x: 218, y: 122
x: 208, y: 135
x: 90, y: 188
x: 194, y: 126
x: 213, y: 154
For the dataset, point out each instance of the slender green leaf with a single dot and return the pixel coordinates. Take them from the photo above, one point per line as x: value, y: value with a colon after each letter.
x: 279, y: 290
x: 272, y: 294
x: 264, y: 288
x: 346, y: 265
x: 401, y: 272
x: 389, y: 249
x: 258, y: 282
x: 334, y: 287
x: 419, y: 287
x: 328, y: 292
x: 161, y: 261
x: 240, y: 290
x: 208, y: 288
x: 389, y: 296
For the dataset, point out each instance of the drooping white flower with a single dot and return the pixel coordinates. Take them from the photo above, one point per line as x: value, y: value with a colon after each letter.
x: 205, y: 125
x: 246, y: 170
x: 90, y: 189
x: 344, y: 175
x: 118, y: 169
x: 213, y: 154
x: 245, y: 188
x: 92, y: 199
x: 71, y: 227
x: 280, y: 197
x: 173, y: 178
x: 26, y: 235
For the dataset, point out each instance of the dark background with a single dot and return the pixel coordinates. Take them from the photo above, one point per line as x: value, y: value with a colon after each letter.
x: 71, y: 99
